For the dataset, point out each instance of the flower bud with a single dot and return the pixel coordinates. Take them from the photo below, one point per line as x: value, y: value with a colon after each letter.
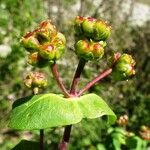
x: 35, y: 79
x: 30, y: 42
x: 35, y: 59
x: 124, y: 67
x: 77, y: 24
x: 88, y: 26
x: 45, y: 32
x: 101, y: 30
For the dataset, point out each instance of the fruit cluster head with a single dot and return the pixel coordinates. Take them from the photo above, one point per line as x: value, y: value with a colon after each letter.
x: 45, y: 44
x: 92, y: 34
x: 123, y: 66
x: 89, y: 50
x: 145, y: 132
x: 35, y: 80
x: 92, y: 28
x: 122, y: 120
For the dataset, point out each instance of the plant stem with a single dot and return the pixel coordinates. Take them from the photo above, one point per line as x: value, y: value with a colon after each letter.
x: 41, y: 139
x: 98, y: 78
x: 60, y: 84
x: 77, y: 76
x: 67, y: 131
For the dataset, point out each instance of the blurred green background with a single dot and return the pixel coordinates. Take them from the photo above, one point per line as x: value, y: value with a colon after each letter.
x: 130, y: 20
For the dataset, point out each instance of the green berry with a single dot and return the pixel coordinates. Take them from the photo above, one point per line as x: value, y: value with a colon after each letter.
x: 77, y: 25
x: 89, y: 50
x: 98, y: 51
x: 82, y: 49
x: 101, y: 30
x: 36, y: 60
x: 124, y: 67
x: 30, y: 42
x: 88, y: 26
x: 47, y: 52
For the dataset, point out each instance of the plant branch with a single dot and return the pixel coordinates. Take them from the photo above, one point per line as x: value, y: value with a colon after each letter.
x: 67, y: 131
x: 60, y: 84
x: 98, y: 78
x: 77, y: 76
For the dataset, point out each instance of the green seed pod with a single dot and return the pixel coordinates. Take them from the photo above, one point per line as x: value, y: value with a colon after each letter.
x: 47, y: 52
x: 124, y: 67
x: 60, y: 48
x: 51, y: 52
x: 77, y: 25
x: 59, y: 39
x: 30, y: 42
x: 88, y: 26
x: 89, y: 50
x: 45, y: 32
x: 83, y: 49
x: 101, y: 30
x: 98, y: 51
x: 35, y: 79
x: 36, y: 60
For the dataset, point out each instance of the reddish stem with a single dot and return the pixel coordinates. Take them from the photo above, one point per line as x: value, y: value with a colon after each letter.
x: 67, y: 131
x: 98, y: 78
x: 60, y: 84
x: 77, y: 76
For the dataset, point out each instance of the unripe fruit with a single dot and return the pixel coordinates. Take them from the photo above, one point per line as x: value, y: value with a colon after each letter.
x: 123, y: 67
x: 98, y: 51
x: 51, y: 52
x: 35, y: 59
x: 45, y: 32
x: 77, y: 24
x: 47, y: 52
x: 101, y: 30
x: 82, y: 49
x: 59, y: 39
x: 60, y: 48
x: 88, y: 26
x: 35, y: 79
x: 89, y: 50
x: 30, y: 42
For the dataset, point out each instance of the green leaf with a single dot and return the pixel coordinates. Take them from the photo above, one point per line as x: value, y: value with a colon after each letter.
x: 51, y: 110
x: 136, y: 143
x: 27, y: 145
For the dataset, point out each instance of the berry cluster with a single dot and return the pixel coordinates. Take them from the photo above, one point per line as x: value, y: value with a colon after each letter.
x: 45, y: 44
x: 91, y: 34
x: 123, y: 66
x: 145, y: 132
x: 122, y: 120
x: 35, y: 80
